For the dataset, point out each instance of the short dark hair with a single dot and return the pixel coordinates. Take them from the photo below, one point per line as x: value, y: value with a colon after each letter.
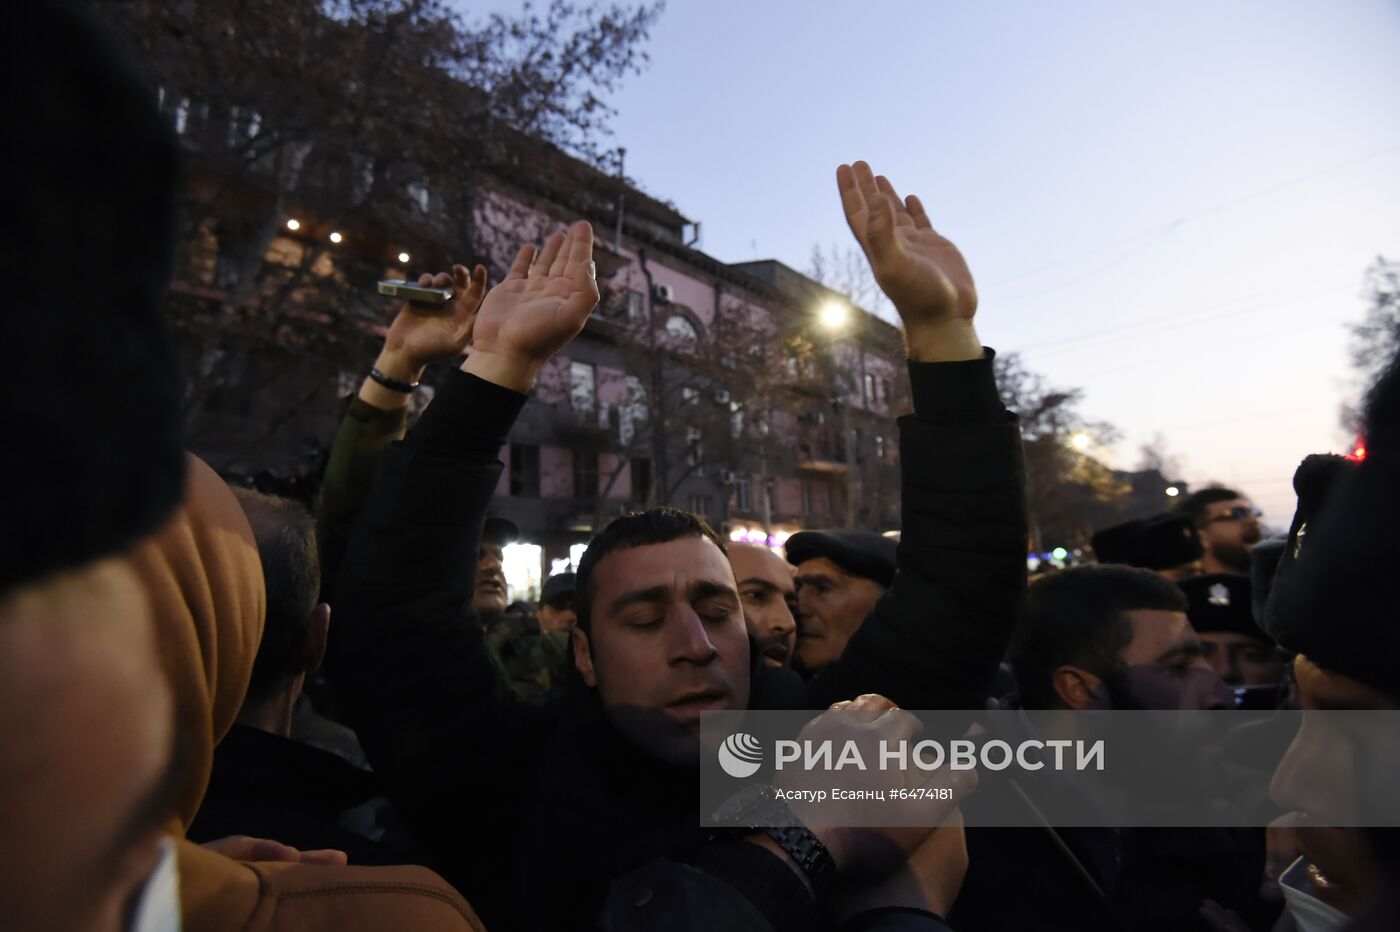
x: 91, y: 394
x: 637, y: 529
x: 1195, y: 505
x: 285, y: 533
x: 1078, y: 617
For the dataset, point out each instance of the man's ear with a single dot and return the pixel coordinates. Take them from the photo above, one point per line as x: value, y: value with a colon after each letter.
x: 313, y: 646
x: 1077, y: 688
x: 583, y: 656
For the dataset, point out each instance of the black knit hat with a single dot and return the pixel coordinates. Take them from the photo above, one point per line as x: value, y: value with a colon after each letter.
x: 1263, y: 564
x: 1220, y: 602
x: 1157, y: 543
x: 860, y: 553
x: 1336, y: 598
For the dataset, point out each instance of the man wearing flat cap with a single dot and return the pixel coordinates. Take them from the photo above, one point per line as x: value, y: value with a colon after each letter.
x: 1221, y: 611
x: 1167, y: 544
x: 556, y: 610
x: 840, y: 577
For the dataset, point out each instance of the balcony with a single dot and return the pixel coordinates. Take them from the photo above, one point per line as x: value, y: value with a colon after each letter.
x: 827, y: 459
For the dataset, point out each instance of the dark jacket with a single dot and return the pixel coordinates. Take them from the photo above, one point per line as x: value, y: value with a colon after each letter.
x: 533, y: 812
x: 268, y: 786
x: 1096, y: 879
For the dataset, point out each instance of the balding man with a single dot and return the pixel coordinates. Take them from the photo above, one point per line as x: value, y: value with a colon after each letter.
x: 769, y: 597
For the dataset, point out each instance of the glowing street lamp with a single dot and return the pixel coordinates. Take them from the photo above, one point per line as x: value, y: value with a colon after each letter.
x: 1173, y: 491
x: 833, y: 315
x: 403, y: 257
x: 336, y: 237
x: 293, y: 224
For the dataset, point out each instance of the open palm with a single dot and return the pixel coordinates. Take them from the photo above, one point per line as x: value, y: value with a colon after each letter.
x: 923, y: 274
x: 543, y: 303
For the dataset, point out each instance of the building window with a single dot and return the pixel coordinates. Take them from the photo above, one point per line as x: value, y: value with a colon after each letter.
x: 641, y: 479
x: 871, y: 392
x: 806, y: 497
x: 888, y: 390
x: 859, y: 447
x: 418, y: 193
x: 524, y: 470
x: 741, y: 494
x: 585, y: 475
x: 681, y: 330
x: 632, y: 413
x: 702, y: 505
x: 694, y: 447
x: 181, y: 118
x: 879, y: 448
x: 640, y: 470
x: 635, y: 305
x: 689, y: 395
x: 583, y: 388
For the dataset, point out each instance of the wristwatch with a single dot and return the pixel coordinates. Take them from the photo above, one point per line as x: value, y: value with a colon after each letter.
x: 758, y: 809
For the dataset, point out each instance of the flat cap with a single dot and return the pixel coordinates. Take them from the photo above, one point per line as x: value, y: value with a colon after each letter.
x: 557, y: 587
x: 1221, y: 602
x: 500, y: 531
x: 860, y: 553
x: 1157, y: 543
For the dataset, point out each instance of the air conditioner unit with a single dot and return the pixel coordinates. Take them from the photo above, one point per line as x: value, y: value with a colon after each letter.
x: 663, y: 293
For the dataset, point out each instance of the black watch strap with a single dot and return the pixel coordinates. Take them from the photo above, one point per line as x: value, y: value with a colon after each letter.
x: 808, y: 851
x: 391, y: 383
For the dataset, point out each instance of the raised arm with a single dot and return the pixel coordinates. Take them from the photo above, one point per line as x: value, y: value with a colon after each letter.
x: 407, y: 654
x: 378, y: 415
x: 935, y: 638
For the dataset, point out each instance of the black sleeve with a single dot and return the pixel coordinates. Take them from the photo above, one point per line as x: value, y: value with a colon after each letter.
x: 407, y: 655
x: 364, y: 434
x: 732, y: 886
x: 895, y: 919
x: 935, y: 638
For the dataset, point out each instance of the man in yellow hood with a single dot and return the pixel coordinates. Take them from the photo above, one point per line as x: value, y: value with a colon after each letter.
x: 103, y: 758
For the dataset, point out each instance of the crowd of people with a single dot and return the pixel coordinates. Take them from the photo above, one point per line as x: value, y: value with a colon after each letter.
x: 221, y: 710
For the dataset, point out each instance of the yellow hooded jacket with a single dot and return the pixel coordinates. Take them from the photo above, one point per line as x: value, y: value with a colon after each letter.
x: 205, y: 583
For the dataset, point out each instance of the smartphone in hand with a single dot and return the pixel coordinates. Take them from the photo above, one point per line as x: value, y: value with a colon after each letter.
x: 415, y: 293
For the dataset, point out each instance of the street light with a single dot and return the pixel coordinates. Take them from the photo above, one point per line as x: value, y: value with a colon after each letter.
x: 336, y: 237
x: 294, y: 224
x: 403, y: 257
x: 832, y: 315
x: 1173, y: 491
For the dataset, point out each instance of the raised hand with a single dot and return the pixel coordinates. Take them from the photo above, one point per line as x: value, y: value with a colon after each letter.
x: 923, y: 274
x: 536, y: 311
x: 421, y: 335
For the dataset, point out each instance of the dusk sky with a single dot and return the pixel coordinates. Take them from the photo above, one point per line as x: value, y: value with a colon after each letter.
x: 1169, y: 206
